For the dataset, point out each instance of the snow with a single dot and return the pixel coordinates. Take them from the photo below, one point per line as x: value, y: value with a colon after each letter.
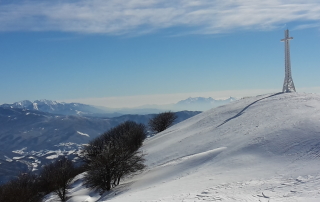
x: 8, y: 159
x: 71, y: 152
x: 18, y: 157
x: 263, y: 148
x: 52, y: 156
x: 21, y: 151
x: 77, y: 192
x: 84, y: 134
x: 34, y: 166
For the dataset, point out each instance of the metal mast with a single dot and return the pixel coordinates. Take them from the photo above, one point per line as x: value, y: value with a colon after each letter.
x: 288, y: 85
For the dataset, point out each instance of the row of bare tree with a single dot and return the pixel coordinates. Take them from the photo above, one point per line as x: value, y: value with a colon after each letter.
x: 29, y: 187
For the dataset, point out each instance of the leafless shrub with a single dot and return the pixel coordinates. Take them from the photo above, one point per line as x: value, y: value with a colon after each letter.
x: 24, y: 188
x: 162, y: 121
x: 57, y: 176
x: 114, y: 155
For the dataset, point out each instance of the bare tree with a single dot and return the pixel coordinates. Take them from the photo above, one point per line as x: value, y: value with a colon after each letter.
x: 114, y: 155
x: 57, y: 176
x: 162, y: 121
x: 1, y: 191
x: 24, y: 188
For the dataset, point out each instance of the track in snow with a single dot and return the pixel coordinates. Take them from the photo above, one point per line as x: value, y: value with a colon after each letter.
x: 240, y: 113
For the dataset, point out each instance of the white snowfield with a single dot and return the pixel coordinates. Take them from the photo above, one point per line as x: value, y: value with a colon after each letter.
x: 84, y: 134
x: 264, y: 148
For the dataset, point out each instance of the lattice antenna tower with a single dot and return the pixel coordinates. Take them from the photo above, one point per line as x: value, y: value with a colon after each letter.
x: 288, y: 85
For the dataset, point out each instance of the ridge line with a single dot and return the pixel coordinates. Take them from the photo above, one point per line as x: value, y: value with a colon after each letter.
x: 240, y: 113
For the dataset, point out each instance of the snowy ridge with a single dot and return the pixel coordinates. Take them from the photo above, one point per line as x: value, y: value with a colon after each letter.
x: 55, y: 107
x: 201, y: 103
x: 264, y: 148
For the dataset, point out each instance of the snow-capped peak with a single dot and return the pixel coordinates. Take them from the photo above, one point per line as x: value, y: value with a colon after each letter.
x: 47, y: 102
x: 35, y: 106
x: 191, y: 100
x: 201, y: 103
x: 23, y: 103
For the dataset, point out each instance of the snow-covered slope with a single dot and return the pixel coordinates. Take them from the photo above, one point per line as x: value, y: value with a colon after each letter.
x: 264, y: 148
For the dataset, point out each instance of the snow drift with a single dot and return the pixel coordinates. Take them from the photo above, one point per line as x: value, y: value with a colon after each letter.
x: 263, y: 148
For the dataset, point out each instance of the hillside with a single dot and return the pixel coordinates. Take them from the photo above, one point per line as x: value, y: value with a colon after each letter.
x: 263, y: 148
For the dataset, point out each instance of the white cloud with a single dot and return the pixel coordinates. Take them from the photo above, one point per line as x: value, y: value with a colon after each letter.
x: 307, y: 26
x: 141, y: 16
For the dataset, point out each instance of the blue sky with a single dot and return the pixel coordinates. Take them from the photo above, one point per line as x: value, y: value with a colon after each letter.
x: 126, y: 53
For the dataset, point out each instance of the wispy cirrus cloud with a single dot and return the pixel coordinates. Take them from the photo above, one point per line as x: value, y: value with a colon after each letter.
x: 142, y: 16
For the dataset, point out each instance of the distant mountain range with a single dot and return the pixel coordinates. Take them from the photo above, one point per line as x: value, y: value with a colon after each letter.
x: 190, y: 104
x: 54, y: 107
x: 201, y: 103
